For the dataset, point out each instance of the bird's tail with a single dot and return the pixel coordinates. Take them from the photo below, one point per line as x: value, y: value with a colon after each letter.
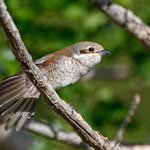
x: 17, y: 99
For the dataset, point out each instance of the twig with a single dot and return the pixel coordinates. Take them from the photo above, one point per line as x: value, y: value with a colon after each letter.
x: 48, y: 131
x: 71, y: 138
x: 126, y: 19
x: 128, y: 118
x: 88, y: 135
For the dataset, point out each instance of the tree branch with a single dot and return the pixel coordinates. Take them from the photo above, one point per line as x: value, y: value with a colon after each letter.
x: 89, y: 136
x: 126, y: 19
x: 48, y: 131
x: 71, y: 138
x: 128, y: 118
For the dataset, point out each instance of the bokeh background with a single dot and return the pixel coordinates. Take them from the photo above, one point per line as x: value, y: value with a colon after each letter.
x: 102, y: 100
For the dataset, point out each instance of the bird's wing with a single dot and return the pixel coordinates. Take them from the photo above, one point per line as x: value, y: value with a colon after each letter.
x: 17, y: 98
x: 18, y: 95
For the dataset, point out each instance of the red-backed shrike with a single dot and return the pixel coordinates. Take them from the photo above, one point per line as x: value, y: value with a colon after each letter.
x: 17, y: 93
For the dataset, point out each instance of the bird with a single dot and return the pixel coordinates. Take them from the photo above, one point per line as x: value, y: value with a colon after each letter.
x: 18, y: 95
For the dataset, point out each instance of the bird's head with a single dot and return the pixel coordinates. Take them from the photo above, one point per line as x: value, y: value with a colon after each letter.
x: 88, y: 53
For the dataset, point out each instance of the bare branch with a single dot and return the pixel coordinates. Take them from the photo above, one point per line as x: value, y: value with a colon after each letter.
x: 71, y: 138
x: 48, y: 131
x: 89, y: 136
x: 128, y: 118
x: 126, y: 19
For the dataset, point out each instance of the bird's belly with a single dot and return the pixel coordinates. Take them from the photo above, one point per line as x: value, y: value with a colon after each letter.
x: 67, y: 81
x: 64, y: 80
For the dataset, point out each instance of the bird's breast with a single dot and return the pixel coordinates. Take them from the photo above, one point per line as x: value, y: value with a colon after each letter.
x: 66, y: 71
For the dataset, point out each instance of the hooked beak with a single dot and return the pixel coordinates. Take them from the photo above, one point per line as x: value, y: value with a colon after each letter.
x: 104, y: 52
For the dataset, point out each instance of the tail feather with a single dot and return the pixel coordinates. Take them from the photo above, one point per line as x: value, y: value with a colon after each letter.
x: 17, y: 99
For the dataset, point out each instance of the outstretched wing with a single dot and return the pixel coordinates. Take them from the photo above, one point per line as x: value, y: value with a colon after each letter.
x: 17, y: 99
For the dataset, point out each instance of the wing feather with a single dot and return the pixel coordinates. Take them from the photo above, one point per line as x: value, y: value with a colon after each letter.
x: 17, y: 98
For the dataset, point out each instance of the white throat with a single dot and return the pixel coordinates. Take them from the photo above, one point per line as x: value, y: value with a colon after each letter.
x: 89, y: 60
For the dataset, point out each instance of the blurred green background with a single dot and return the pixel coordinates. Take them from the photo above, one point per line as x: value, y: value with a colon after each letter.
x: 49, y: 25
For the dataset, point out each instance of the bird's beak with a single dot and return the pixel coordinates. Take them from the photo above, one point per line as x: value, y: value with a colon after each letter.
x: 104, y: 52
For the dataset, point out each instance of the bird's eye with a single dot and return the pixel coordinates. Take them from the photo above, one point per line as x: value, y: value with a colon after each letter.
x: 91, y: 49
